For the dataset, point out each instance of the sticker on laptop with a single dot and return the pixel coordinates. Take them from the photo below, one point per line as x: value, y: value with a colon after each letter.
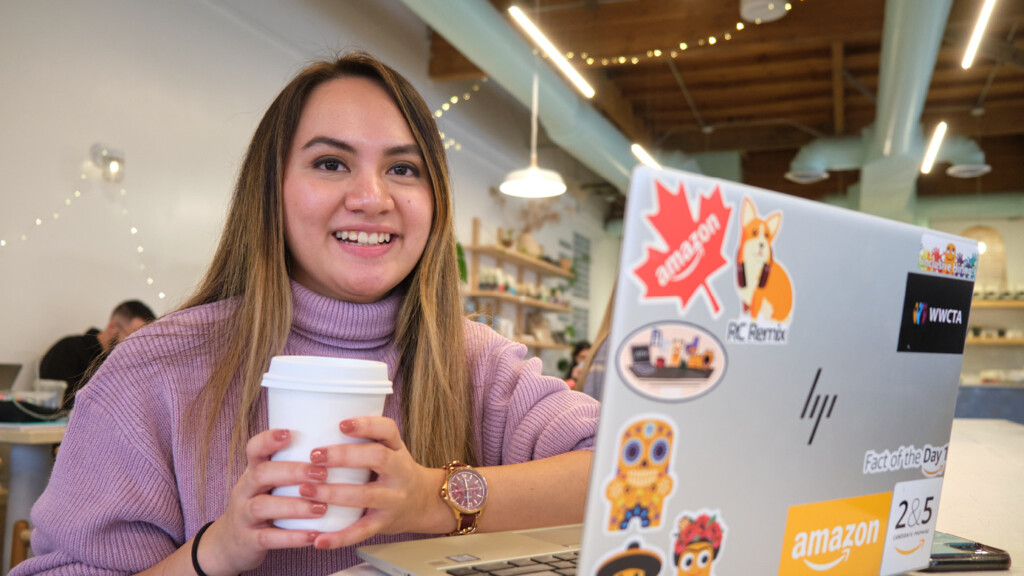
x: 843, y: 537
x: 762, y: 282
x: 931, y: 460
x: 671, y: 361
x: 698, y: 542
x: 642, y: 480
x: 635, y: 560
x: 935, y: 314
x: 957, y: 258
x: 687, y: 252
x: 908, y: 542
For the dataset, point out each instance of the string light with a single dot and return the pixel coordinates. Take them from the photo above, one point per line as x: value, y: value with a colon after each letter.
x: 78, y: 195
x: 657, y: 53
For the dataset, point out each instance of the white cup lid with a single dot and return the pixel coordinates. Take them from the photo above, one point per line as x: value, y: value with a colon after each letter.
x: 323, y: 374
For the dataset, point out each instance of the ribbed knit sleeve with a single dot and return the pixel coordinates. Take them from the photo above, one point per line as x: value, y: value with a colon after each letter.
x: 521, y: 414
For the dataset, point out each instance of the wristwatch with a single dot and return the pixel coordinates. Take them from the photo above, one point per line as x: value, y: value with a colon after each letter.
x: 465, y: 492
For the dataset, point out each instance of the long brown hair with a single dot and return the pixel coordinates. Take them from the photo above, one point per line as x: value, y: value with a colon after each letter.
x: 251, y: 267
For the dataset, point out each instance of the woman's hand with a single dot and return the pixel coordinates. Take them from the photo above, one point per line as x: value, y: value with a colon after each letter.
x: 402, y: 497
x: 240, y: 538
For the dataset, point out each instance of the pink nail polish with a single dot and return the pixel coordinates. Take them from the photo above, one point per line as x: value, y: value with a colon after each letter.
x: 311, y: 537
x: 307, y: 490
x: 319, y: 509
x: 347, y: 426
x: 280, y: 435
x: 318, y: 456
x: 318, y: 473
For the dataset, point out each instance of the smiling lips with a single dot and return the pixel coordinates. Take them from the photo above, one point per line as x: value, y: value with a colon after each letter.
x: 362, y: 238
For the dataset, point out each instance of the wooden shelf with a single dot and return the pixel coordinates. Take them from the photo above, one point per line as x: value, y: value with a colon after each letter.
x: 976, y: 341
x: 520, y: 260
x: 997, y: 304
x: 516, y: 299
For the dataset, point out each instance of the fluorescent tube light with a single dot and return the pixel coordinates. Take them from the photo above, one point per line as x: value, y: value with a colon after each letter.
x: 979, y: 30
x: 551, y: 51
x: 933, y: 148
x: 643, y: 156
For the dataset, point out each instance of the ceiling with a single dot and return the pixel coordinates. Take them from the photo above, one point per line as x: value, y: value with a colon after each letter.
x: 771, y: 88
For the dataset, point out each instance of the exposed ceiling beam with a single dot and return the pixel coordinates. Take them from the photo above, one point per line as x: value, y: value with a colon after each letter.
x: 838, y: 88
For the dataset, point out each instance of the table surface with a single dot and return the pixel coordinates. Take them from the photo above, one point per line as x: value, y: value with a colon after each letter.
x: 982, y: 493
x: 41, y: 433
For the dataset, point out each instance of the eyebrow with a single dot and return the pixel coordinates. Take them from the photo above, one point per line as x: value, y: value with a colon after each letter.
x: 342, y: 145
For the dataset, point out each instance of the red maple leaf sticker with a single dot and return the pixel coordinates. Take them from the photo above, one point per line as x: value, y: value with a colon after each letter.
x: 694, y: 246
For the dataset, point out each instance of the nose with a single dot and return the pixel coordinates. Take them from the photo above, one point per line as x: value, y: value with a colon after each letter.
x: 369, y: 194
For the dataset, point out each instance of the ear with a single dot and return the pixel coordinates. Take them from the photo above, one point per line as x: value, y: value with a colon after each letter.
x: 774, y: 222
x: 748, y: 213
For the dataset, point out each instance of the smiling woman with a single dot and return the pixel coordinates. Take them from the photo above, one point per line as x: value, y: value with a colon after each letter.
x: 338, y: 242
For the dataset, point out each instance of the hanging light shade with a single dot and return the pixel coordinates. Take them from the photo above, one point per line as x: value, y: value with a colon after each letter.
x: 533, y: 182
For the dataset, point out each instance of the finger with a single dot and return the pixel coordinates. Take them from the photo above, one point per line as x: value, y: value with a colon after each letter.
x: 372, y: 455
x: 278, y: 538
x: 369, y: 496
x: 262, y: 446
x: 265, y: 476
x: 267, y: 508
x: 379, y: 428
x: 359, y: 531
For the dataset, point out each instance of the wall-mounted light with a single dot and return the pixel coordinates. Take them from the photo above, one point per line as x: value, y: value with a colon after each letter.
x: 109, y: 161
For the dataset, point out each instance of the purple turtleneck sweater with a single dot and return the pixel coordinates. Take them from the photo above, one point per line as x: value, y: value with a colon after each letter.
x: 122, y: 495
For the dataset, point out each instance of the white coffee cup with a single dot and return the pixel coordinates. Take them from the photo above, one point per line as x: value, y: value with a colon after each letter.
x: 310, y: 396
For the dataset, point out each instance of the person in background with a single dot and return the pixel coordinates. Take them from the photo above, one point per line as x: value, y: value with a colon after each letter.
x: 71, y: 357
x: 579, y: 356
x: 339, y: 242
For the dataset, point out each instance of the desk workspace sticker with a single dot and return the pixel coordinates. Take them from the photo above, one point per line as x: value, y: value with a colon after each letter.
x: 671, y: 361
x: 699, y: 539
x: 635, y: 560
x: 955, y: 258
x: 935, y: 313
x: 842, y: 537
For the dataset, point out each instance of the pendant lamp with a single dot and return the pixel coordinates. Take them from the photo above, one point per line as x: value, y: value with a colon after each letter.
x: 533, y: 182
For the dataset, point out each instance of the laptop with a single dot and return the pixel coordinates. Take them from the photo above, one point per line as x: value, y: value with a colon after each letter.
x: 778, y: 396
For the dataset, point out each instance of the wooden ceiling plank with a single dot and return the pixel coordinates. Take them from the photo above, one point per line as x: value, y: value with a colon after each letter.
x: 838, y: 88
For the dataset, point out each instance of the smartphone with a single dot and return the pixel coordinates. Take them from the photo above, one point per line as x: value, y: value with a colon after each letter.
x: 954, y: 554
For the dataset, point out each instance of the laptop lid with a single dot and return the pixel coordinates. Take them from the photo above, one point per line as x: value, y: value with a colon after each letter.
x: 803, y: 371
x: 8, y: 374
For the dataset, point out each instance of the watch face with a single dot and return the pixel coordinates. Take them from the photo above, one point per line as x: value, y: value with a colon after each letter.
x: 467, y: 489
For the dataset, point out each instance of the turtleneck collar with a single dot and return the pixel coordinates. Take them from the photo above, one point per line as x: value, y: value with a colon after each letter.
x: 341, y: 324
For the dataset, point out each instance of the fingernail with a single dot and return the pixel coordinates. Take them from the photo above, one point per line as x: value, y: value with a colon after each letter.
x: 307, y: 490
x: 319, y: 509
x: 311, y: 536
x: 347, y: 426
x: 318, y: 456
x: 318, y: 473
x: 280, y: 435
x: 322, y: 544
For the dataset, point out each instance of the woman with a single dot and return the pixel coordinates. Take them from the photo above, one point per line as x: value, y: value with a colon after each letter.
x: 579, y: 356
x: 339, y: 242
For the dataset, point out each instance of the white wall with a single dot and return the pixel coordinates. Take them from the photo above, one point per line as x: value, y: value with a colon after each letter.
x: 179, y: 86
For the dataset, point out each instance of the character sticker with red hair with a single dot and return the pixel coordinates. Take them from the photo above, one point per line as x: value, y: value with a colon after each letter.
x: 698, y: 542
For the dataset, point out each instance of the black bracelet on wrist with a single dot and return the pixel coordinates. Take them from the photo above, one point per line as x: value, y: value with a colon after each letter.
x: 195, y: 549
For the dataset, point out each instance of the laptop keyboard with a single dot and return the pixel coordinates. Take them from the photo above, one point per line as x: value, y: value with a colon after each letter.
x: 561, y: 564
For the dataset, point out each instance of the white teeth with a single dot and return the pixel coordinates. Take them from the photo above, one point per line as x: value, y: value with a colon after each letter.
x: 362, y: 238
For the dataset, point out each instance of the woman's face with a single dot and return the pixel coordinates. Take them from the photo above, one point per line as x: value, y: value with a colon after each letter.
x: 358, y: 203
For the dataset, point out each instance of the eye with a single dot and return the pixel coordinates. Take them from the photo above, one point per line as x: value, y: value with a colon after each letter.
x: 687, y: 562
x: 405, y: 170
x: 659, y: 450
x: 703, y: 558
x: 329, y: 164
x: 631, y: 451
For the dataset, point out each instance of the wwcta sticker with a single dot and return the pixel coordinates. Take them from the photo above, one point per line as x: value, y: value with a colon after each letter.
x: 837, y: 537
x: 908, y: 542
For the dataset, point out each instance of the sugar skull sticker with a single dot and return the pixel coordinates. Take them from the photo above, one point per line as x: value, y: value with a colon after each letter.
x: 698, y: 542
x: 642, y: 480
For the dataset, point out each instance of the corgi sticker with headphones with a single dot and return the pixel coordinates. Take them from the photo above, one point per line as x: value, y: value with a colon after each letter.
x: 762, y: 282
